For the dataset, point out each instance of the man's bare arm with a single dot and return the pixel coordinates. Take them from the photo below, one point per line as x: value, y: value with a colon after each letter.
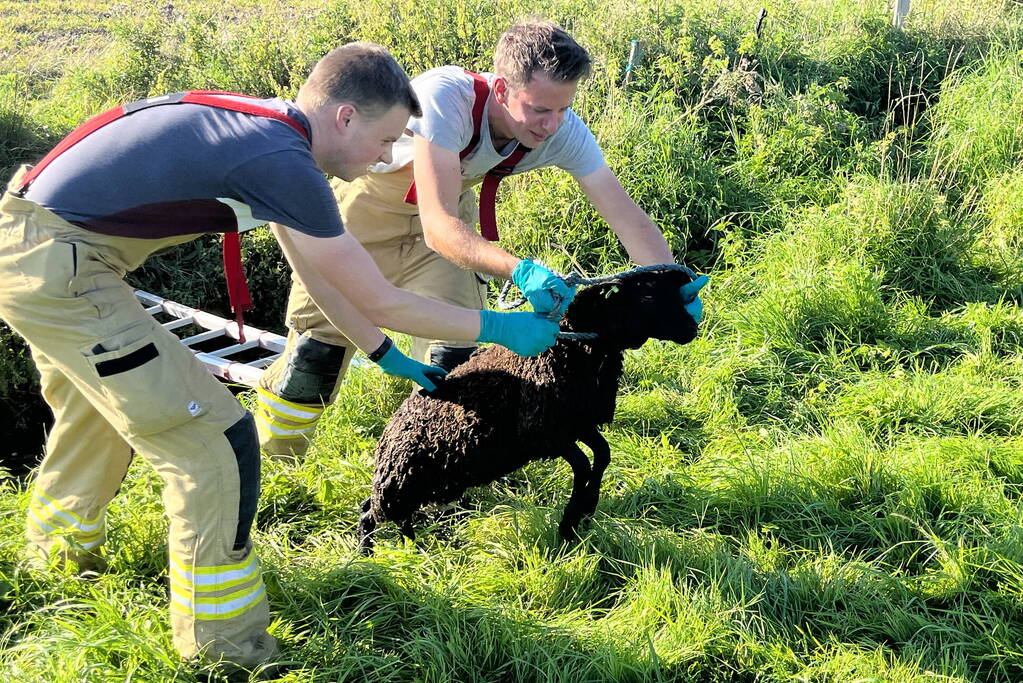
x: 438, y: 186
x: 348, y: 287
x: 639, y: 235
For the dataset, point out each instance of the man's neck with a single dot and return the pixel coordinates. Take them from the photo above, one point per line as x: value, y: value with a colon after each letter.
x: 495, y: 119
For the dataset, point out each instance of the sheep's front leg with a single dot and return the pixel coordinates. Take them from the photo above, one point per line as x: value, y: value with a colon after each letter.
x: 367, y: 524
x: 576, y: 507
x: 596, y: 442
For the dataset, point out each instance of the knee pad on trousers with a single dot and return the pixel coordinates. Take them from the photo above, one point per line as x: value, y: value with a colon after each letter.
x: 450, y: 357
x: 245, y: 443
x: 311, y: 372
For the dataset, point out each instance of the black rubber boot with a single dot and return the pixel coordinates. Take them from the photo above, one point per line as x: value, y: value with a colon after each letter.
x: 450, y: 357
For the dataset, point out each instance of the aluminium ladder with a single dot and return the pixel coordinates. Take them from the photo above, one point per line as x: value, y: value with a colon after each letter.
x: 220, y: 333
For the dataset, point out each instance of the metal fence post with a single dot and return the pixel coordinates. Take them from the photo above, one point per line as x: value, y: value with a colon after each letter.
x: 901, y: 10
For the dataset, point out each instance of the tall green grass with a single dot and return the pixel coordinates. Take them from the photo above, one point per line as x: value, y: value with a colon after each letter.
x: 824, y: 486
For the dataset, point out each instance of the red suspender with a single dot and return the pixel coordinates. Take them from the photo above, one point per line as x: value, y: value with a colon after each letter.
x: 481, y: 91
x: 208, y: 98
x: 237, y: 288
x: 488, y: 192
x: 72, y: 138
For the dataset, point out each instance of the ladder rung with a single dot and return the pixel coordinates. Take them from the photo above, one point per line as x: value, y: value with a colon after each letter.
x: 203, y: 336
x: 228, y: 350
x: 175, y: 324
x: 263, y: 362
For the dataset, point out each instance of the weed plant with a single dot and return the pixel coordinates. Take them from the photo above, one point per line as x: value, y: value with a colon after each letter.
x: 824, y: 486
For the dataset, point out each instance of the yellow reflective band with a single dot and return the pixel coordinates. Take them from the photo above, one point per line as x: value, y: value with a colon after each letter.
x: 271, y: 413
x: 184, y: 593
x: 246, y: 564
x: 285, y: 422
x: 48, y: 509
x: 39, y: 524
x: 68, y: 535
x: 221, y: 607
x: 285, y: 408
x: 282, y: 432
x: 212, y: 584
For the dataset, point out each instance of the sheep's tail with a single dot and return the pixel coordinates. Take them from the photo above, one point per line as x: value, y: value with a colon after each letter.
x: 367, y: 525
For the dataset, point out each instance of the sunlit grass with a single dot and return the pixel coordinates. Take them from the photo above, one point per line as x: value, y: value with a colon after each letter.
x: 825, y: 486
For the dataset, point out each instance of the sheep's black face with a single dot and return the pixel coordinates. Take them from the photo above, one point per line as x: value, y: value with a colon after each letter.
x: 638, y: 307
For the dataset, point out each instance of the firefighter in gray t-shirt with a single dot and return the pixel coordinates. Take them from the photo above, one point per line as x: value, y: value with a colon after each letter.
x: 417, y: 220
x: 152, y: 174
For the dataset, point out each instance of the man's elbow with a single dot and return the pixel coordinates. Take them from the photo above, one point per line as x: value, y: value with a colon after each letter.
x: 430, y: 239
x: 435, y: 236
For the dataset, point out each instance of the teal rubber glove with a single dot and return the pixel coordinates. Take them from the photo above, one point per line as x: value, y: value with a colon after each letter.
x: 690, y: 297
x: 394, y: 362
x: 547, y: 292
x: 527, y: 334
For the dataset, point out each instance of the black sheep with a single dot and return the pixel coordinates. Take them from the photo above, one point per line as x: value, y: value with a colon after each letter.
x: 498, y: 411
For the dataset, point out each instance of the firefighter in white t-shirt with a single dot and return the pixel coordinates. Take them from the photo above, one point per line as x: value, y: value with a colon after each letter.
x: 417, y: 221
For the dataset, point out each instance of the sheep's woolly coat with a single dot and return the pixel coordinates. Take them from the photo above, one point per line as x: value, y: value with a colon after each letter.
x: 499, y: 411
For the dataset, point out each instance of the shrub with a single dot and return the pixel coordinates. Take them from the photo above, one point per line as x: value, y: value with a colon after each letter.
x: 972, y: 144
x: 799, y: 146
x: 999, y: 244
x: 659, y: 155
x: 17, y: 371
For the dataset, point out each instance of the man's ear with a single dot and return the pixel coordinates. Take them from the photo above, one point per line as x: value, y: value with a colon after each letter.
x: 500, y: 88
x: 343, y: 115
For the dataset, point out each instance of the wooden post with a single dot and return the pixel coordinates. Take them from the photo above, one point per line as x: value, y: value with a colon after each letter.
x: 901, y: 10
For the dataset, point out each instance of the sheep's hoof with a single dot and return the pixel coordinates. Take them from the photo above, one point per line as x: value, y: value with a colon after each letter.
x: 366, y: 544
x: 569, y: 531
x: 406, y: 529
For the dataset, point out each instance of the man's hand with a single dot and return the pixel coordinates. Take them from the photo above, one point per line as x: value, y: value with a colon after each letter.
x: 396, y: 363
x: 547, y: 292
x: 527, y: 334
x: 690, y: 297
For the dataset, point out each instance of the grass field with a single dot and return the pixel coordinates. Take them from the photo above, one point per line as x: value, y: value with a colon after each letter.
x: 825, y: 486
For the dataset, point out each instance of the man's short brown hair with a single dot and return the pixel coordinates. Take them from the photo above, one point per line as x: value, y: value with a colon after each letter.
x: 362, y: 74
x: 538, y: 45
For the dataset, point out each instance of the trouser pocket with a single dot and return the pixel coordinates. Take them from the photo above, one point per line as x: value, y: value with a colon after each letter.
x: 144, y: 376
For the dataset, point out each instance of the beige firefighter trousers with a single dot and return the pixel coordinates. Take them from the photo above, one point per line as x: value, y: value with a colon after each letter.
x: 296, y: 388
x: 117, y: 382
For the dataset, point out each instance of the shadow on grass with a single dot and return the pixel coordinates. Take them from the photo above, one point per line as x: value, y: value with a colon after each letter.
x: 852, y: 571
x: 365, y: 621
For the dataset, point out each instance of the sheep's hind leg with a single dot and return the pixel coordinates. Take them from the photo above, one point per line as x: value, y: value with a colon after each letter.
x: 596, y: 442
x: 367, y: 525
x: 576, y: 506
x: 406, y: 529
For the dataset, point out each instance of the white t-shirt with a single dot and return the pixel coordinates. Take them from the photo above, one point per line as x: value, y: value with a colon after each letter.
x: 447, y: 97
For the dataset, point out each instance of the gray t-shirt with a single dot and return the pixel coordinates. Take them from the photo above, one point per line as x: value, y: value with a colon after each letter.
x: 180, y: 169
x: 447, y: 97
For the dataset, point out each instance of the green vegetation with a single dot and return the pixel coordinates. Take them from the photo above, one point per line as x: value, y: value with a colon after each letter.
x: 825, y: 486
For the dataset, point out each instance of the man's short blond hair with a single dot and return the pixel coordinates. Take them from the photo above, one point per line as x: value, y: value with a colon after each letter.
x: 539, y: 46
x: 362, y: 74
